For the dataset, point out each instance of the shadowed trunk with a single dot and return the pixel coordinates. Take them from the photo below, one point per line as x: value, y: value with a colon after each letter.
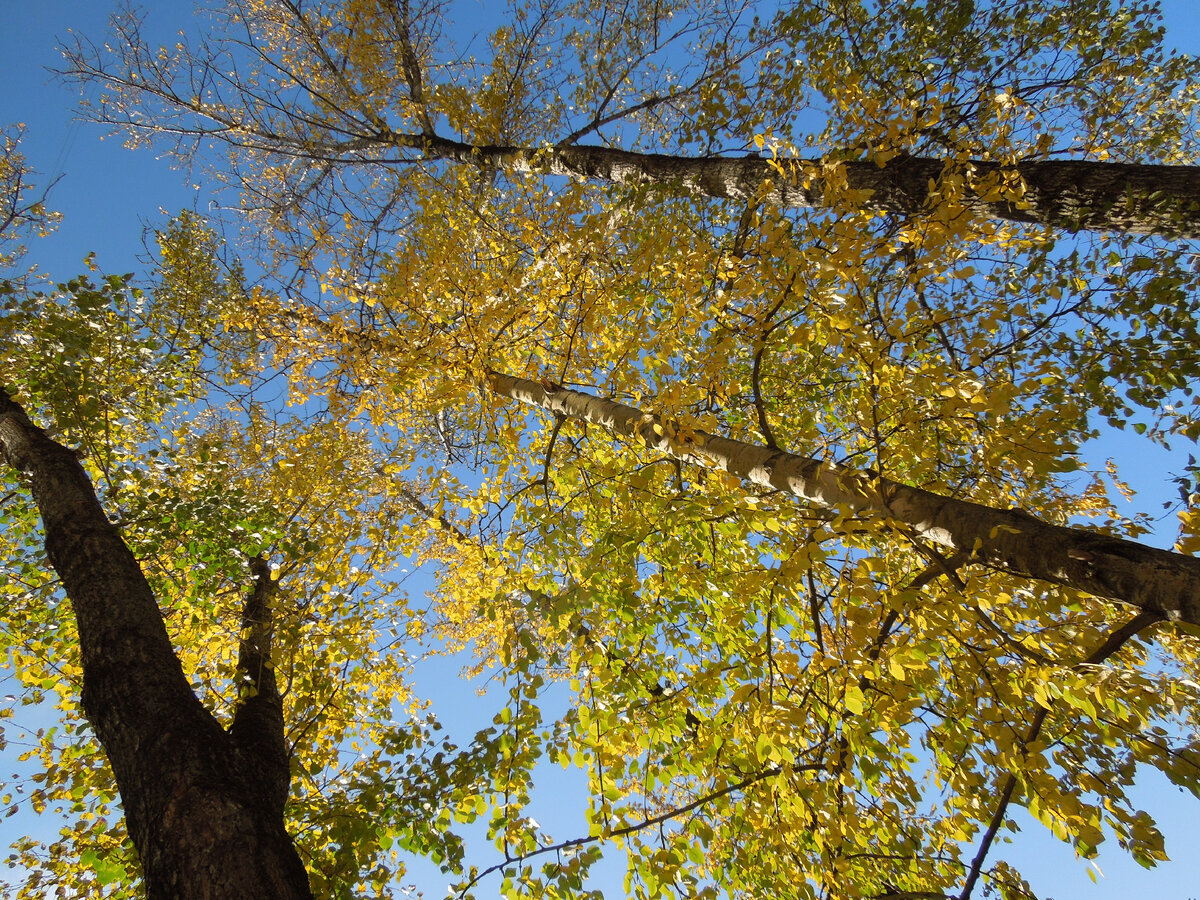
x: 1158, y: 581
x: 203, y: 807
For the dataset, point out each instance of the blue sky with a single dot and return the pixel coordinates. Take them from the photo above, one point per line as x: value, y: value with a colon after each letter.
x: 109, y: 196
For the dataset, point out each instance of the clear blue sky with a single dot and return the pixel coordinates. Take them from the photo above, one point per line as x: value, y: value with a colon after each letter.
x: 109, y: 195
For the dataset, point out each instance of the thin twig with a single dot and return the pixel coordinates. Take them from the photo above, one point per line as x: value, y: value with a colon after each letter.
x: 638, y: 826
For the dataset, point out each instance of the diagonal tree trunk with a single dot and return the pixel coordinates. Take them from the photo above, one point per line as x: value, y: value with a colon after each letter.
x: 203, y: 807
x: 1154, y: 580
x: 1067, y: 194
x: 344, y: 129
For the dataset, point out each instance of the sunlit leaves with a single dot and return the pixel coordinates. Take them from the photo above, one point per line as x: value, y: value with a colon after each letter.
x: 767, y: 699
x: 201, y: 475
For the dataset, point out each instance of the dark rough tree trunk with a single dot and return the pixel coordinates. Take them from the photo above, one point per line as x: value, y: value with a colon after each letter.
x: 1067, y: 194
x: 1159, y: 582
x: 203, y: 806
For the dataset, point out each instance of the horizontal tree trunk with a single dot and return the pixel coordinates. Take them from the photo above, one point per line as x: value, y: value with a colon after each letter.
x: 203, y: 824
x: 1067, y: 194
x: 1154, y: 580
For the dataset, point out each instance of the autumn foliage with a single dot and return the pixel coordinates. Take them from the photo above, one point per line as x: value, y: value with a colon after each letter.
x: 730, y: 373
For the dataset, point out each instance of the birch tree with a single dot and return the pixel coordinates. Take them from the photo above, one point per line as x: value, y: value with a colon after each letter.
x: 308, y: 100
x: 914, y: 124
x: 1162, y: 584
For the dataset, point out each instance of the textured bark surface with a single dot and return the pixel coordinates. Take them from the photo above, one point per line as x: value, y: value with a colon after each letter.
x: 1157, y: 581
x: 1068, y: 194
x: 257, y: 726
x: 205, y: 821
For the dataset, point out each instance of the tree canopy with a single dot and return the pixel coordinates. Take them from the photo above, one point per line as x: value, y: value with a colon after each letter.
x: 733, y: 370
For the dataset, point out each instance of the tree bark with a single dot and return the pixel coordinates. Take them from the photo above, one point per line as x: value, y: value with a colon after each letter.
x: 205, y: 821
x: 345, y: 130
x: 1157, y: 581
x: 1068, y: 194
x: 257, y: 726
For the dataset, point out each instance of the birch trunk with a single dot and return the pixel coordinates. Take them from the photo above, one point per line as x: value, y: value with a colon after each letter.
x: 203, y: 807
x: 1154, y: 580
x: 1068, y: 194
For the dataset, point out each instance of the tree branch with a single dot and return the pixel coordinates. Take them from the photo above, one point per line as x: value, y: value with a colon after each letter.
x: 1111, y: 645
x: 650, y: 822
x: 257, y: 726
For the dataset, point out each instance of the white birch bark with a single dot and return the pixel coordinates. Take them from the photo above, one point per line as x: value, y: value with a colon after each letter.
x: 1069, y: 194
x: 1015, y: 541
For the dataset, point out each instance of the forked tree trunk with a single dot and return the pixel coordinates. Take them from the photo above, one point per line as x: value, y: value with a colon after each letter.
x: 1154, y: 580
x: 203, y: 806
x: 1067, y: 194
